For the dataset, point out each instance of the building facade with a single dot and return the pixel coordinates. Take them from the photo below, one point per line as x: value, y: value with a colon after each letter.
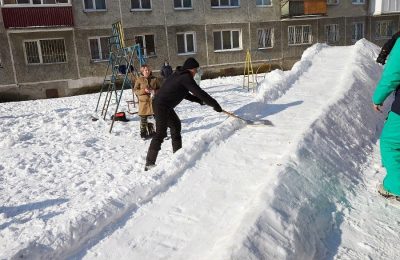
x: 54, y: 48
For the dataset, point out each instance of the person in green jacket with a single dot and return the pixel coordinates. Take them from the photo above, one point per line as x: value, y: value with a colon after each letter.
x: 390, y: 136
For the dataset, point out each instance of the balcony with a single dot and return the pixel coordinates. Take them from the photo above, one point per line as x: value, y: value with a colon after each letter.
x: 43, y: 16
x: 378, y: 7
x: 298, y: 8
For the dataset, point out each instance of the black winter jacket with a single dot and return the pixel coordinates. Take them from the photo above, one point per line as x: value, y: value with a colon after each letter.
x: 178, y: 87
x: 386, y: 49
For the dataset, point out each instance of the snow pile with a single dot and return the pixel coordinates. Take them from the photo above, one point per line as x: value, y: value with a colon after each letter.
x: 327, y: 165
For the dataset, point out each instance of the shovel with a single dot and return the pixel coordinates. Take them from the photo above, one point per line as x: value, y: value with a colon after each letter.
x: 250, y: 122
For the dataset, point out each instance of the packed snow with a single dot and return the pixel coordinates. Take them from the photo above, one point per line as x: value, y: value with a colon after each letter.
x: 304, y: 188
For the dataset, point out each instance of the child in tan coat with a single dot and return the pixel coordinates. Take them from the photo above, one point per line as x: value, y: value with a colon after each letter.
x: 145, y: 87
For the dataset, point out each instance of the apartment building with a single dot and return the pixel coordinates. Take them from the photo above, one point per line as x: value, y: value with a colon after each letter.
x: 54, y: 48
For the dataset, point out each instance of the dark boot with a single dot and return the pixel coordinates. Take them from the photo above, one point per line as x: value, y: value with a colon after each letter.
x: 176, y: 144
x: 151, y: 157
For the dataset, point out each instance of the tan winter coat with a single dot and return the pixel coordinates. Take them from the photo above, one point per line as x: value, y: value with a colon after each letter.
x: 145, y: 100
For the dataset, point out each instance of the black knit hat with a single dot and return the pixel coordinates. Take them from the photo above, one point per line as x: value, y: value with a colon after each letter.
x: 190, y: 63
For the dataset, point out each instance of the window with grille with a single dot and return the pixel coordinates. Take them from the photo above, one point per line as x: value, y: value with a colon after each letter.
x: 332, y: 2
x: 332, y: 33
x: 36, y: 2
x: 186, y: 42
x: 300, y: 34
x: 182, y: 4
x: 265, y: 38
x: 227, y: 40
x: 141, y: 4
x: 147, y: 44
x: 45, y: 51
x: 263, y: 2
x: 357, y: 1
x: 357, y: 31
x: 99, y: 48
x: 384, y: 29
x: 225, y: 3
x: 95, y: 4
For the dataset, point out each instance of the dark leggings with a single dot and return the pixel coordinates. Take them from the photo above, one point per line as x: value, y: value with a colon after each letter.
x: 165, y: 118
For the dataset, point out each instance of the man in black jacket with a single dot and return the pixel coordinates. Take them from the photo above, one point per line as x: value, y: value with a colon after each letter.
x: 177, y: 87
x: 387, y: 47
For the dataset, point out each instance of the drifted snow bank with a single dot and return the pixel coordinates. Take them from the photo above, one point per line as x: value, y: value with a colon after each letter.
x: 313, y: 190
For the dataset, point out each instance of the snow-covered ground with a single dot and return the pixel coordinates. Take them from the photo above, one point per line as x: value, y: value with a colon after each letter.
x: 303, y: 189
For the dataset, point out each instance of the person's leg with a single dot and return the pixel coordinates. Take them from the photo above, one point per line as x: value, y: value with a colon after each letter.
x: 143, y: 126
x: 161, y: 115
x: 174, y: 123
x: 390, y: 152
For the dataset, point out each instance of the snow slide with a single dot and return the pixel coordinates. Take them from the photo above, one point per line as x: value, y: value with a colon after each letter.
x: 268, y: 192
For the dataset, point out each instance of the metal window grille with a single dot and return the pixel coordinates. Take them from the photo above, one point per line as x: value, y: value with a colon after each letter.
x: 265, y: 38
x: 384, y: 29
x: 45, y: 51
x: 182, y: 3
x: 300, y: 34
x: 357, y: 31
x: 141, y: 4
x: 332, y: 33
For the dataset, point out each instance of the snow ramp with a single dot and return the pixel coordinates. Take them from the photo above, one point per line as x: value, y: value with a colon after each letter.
x: 261, y: 192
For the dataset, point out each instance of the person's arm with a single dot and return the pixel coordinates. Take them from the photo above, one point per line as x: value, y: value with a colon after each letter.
x: 139, y: 91
x: 191, y: 85
x: 192, y: 98
x: 390, y: 78
x: 387, y: 48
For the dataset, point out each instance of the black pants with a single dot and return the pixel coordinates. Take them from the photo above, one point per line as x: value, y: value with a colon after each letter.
x: 165, y: 118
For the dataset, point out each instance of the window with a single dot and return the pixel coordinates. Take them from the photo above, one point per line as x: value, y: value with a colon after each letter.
x: 263, y: 2
x: 265, y: 38
x: 225, y: 3
x: 357, y: 31
x: 95, y: 4
x: 332, y: 2
x: 182, y: 4
x: 384, y: 29
x: 45, y: 51
x: 357, y: 1
x: 300, y: 34
x: 147, y: 44
x: 227, y: 40
x: 141, y: 4
x: 332, y: 33
x: 186, y: 42
x: 36, y: 2
x: 99, y: 48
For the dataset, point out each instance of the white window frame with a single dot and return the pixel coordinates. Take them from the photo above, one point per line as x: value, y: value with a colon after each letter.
x: 100, y: 48
x: 141, y: 9
x: 226, y: 6
x: 332, y: 2
x: 145, y: 54
x: 94, y: 9
x: 182, y: 7
x: 353, y: 26
x: 272, y: 38
x: 264, y: 5
x: 388, y: 36
x: 310, y: 38
x: 30, y: 4
x: 358, y: 2
x: 336, y: 33
x: 40, y: 52
x: 185, y: 43
x: 231, y: 35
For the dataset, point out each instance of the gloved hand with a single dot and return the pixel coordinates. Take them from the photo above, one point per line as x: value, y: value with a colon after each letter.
x: 218, y: 108
x: 148, y: 91
x: 202, y: 102
x: 380, y: 60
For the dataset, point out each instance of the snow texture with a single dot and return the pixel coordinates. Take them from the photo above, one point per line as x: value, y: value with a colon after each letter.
x: 302, y: 189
